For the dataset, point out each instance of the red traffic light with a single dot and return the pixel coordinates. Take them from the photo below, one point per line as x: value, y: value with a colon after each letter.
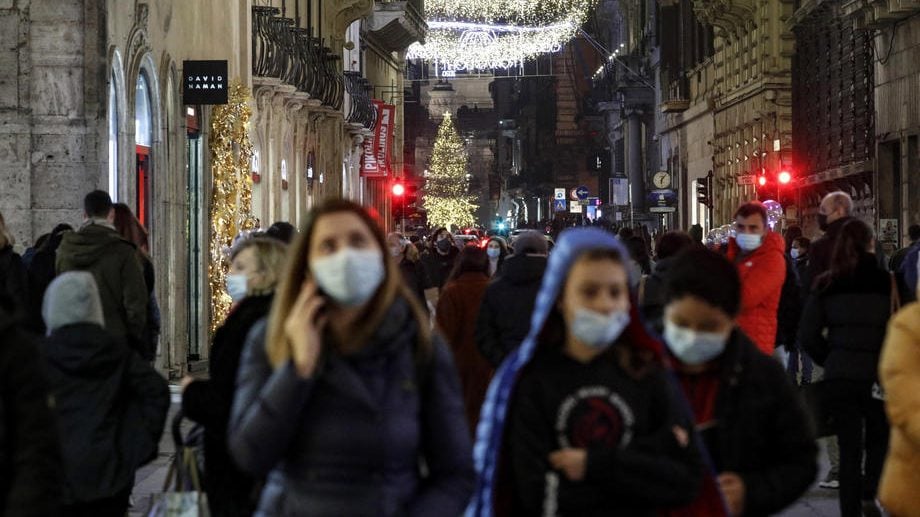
x: 399, y: 189
x: 762, y: 180
x: 785, y: 177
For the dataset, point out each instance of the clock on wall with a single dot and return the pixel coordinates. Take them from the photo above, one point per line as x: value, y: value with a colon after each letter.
x: 662, y: 179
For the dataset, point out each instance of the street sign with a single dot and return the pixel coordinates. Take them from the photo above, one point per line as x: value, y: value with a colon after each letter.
x: 559, y: 193
x: 747, y: 179
x: 575, y: 207
x: 582, y: 192
x: 662, y: 209
x: 619, y: 191
x: 559, y: 205
x: 662, y: 200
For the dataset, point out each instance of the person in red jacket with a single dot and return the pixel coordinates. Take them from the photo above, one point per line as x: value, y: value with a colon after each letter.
x: 758, y: 253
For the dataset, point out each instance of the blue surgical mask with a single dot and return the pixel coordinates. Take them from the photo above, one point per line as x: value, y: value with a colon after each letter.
x: 236, y: 286
x: 493, y: 252
x: 598, y: 330
x: 692, y: 347
x: 794, y: 253
x: 749, y: 241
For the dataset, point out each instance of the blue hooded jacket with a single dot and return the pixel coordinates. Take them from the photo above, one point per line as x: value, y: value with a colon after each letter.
x: 490, y: 431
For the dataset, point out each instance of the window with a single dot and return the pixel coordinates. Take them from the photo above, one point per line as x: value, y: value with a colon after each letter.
x: 143, y: 140
x: 113, y: 139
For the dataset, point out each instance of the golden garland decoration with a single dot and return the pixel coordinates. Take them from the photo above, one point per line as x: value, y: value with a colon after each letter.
x: 230, y: 211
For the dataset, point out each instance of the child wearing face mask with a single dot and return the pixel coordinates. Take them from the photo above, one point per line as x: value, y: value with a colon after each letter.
x: 759, y: 441
x: 592, y: 425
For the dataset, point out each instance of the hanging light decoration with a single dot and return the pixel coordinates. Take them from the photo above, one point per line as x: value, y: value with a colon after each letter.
x: 483, y: 34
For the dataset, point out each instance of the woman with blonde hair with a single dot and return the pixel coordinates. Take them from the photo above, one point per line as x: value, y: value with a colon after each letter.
x: 13, y: 276
x: 343, y: 390
x: 255, y: 268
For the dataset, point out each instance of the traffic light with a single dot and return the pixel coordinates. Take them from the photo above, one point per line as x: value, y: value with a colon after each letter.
x: 704, y: 190
x: 399, y: 189
x: 762, y: 181
x: 784, y: 177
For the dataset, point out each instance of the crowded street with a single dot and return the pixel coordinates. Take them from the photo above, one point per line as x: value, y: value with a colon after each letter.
x: 479, y: 258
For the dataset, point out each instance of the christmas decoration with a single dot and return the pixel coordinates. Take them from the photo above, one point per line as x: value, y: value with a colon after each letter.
x: 231, y: 193
x: 447, y: 200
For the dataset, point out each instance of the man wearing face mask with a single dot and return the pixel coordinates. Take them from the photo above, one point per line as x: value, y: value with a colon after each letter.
x: 759, y: 255
x: 747, y: 412
x: 440, y: 259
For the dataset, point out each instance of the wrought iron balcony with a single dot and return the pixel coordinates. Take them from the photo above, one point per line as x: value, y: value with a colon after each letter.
x: 878, y: 14
x: 362, y: 110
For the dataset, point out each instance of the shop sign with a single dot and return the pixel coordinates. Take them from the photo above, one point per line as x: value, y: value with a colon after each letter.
x: 378, y: 149
x: 204, y: 82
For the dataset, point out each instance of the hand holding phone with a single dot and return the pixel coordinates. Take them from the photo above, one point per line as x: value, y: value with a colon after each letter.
x: 304, y: 328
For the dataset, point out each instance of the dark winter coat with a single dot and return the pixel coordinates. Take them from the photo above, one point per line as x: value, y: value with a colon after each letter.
x: 348, y: 440
x: 111, y: 408
x: 652, y: 295
x: 458, y: 308
x: 230, y: 491
x: 438, y: 267
x: 504, y: 316
x: 763, y: 432
x: 635, y: 466
x: 14, y: 292
x: 30, y: 455
x: 41, y: 273
x: 416, y: 278
x: 148, y: 345
x: 854, y: 311
x: 822, y: 249
x: 115, y: 264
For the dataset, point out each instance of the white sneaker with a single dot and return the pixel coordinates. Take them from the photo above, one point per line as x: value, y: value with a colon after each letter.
x: 830, y: 483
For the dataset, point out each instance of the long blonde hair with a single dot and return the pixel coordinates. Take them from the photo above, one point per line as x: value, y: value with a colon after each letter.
x: 278, y: 347
x: 6, y: 236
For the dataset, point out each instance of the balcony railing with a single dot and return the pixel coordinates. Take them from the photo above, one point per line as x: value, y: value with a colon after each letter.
x: 289, y: 53
x: 362, y: 110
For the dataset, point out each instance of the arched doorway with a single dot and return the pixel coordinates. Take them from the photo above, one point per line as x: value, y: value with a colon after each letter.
x: 143, y: 140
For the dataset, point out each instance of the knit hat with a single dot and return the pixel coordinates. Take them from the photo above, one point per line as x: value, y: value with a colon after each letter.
x: 529, y: 241
x: 72, y: 298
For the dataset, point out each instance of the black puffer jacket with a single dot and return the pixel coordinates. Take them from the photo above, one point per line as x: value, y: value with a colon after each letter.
x: 14, y: 292
x: 348, y: 440
x: 30, y: 455
x: 41, y: 273
x: 230, y: 491
x: 111, y: 408
x: 854, y: 311
x: 652, y: 295
x: 504, y: 316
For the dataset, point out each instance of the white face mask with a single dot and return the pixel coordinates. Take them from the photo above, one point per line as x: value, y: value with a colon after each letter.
x: 749, y: 241
x: 598, y: 330
x: 350, y: 276
x: 794, y: 253
x: 692, y: 347
x: 236, y: 286
x: 493, y: 252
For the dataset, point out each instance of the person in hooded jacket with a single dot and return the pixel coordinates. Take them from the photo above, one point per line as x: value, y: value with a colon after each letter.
x: 504, y: 315
x: 760, y: 257
x: 651, y: 287
x: 41, y: 273
x: 843, y: 328
x: 254, y: 271
x: 458, y: 308
x: 583, y: 419
x: 755, y: 429
x: 111, y: 405
x: 14, y: 293
x: 98, y: 248
x: 344, y: 389
x: 31, y: 484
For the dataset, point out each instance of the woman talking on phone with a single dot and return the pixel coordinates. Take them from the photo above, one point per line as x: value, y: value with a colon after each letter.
x: 345, y: 400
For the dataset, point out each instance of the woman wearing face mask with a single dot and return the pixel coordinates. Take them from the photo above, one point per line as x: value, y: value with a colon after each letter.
x: 592, y: 425
x: 757, y: 434
x: 843, y: 329
x: 413, y: 273
x: 440, y: 258
x: 343, y: 389
x: 254, y: 268
x: 497, y: 250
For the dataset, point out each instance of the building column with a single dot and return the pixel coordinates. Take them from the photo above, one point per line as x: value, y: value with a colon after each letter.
x: 634, y: 161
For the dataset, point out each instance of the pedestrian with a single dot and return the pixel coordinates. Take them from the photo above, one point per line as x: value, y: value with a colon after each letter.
x: 899, y: 372
x: 413, y: 272
x: 639, y: 262
x: 14, y: 292
x: 497, y: 251
x: 904, y: 265
x: 749, y: 416
x: 582, y: 418
x: 758, y: 254
x: 651, y: 295
x: 282, y: 231
x: 843, y: 328
x: 458, y: 308
x: 41, y: 272
x: 440, y: 258
x: 790, y: 234
x: 504, y: 315
x: 131, y: 229
x: 31, y: 483
x: 111, y: 405
x: 98, y: 248
x: 344, y: 390
x: 696, y: 234
x: 255, y: 266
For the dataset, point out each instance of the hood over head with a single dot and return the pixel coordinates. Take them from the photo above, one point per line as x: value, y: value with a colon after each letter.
x: 72, y: 298
x: 93, y: 240
x: 489, y: 434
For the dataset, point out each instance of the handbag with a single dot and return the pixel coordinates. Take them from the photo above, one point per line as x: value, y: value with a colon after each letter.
x: 816, y: 397
x: 182, y: 495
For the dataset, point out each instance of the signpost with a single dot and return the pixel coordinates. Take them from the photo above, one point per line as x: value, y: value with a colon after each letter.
x: 747, y: 179
x: 559, y: 205
x: 582, y: 193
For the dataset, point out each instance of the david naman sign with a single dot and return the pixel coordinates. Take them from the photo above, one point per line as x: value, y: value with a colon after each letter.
x: 205, y: 82
x: 377, y: 150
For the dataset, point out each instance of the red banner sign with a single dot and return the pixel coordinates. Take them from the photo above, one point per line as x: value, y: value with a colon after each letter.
x: 378, y: 149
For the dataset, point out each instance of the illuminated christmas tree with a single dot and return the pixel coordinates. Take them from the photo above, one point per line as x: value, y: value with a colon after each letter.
x: 447, y: 199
